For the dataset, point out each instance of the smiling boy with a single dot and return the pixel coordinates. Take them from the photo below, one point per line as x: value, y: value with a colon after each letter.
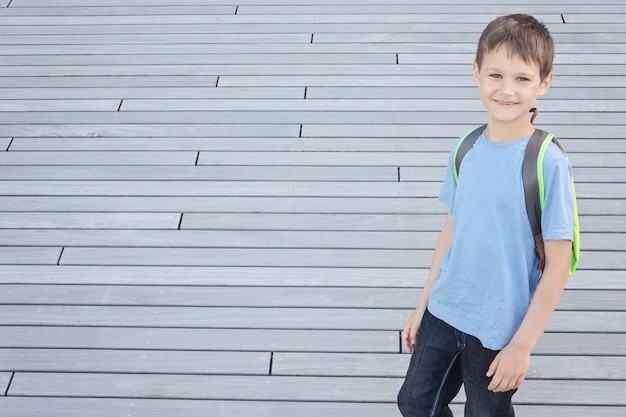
x: 483, y: 306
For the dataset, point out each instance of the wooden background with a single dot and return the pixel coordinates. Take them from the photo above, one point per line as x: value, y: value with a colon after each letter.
x: 228, y: 208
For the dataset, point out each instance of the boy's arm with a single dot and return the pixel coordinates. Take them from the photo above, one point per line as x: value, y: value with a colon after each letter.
x: 511, y: 364
x: 409, y: 333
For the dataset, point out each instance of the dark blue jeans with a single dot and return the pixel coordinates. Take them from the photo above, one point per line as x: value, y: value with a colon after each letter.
x: 443, y: 360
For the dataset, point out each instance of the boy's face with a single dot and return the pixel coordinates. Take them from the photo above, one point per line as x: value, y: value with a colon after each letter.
x: 509, y: 86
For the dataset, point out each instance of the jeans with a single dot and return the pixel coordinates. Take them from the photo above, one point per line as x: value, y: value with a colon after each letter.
x: 443, y: 360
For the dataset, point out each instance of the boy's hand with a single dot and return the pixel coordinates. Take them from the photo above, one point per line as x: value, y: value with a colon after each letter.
x: 409, y: 333
x: 509, y: 368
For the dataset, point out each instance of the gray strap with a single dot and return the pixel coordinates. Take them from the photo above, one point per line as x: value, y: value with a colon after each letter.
x: 531, y: 182
x: 466, y: 144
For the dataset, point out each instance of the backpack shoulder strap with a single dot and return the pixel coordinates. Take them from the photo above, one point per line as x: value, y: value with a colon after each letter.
x: 463, y: 146
x: 539, y: 197
x: 532, y: 175
x: 534, y: 193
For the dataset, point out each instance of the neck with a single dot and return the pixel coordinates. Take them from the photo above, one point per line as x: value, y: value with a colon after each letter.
x: 499, y: 132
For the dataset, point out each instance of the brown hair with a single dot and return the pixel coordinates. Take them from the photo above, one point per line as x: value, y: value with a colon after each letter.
x: 522, y: 35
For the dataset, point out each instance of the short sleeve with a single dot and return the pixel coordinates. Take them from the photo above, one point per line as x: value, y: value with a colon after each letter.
x: 557, y: 218
x: 448, y: 188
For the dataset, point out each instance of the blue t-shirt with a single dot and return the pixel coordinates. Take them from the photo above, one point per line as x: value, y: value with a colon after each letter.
x: 489, y: 274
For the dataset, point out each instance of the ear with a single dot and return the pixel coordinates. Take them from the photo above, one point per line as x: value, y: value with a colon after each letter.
x: 476, y: 71
x: 546, y: 83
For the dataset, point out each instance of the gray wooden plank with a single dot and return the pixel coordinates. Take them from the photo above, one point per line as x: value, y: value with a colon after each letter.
x: 211, y: 173
x: 604, y: 241
x: 231, y: 25
x: 287, y: 158
x: 231, y: 59
x: 554, y: 344
x: 255, y: 296
x: 470, y: 37
x: 89, y: 220
x: 232, y: 317
x: 150, y: 129
x: 239, y: 340
x: 387, y: 365
x: 110, y: 82
x: 241, y: 318
x: 155, y: 38
x: 256, y: 276
x: 593, y: 17
x: 99, y: 158
x: 93, y: 407
x: 282, y: 388
x: 59, y: 105
x: 110, y: 10
x: 264, y: 318
x: 232, y: 239
x: 337, y: 258
x: 75, y: 407
x: 209, y: 296
x: 5, y: 378
x: 25, y: 93
x: 422, y: 121
x: 221, y: 188
x: 207, y: 387
x: 603, y: 260
x: 313, y: 222
x: 250, y: 204
x: 29, y: 255
x: 601, y: 207
x: 606, y: 224
x: 276, y: 340
x: 606, y: 190
x: 135, y: 361
x: 425, y: 125
x: 108, y: 3
x: 4, y: 143
x: 501, y: 8
x: 249, y: 144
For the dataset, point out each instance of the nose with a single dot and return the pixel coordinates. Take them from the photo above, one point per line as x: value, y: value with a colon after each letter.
x: 507, y: 88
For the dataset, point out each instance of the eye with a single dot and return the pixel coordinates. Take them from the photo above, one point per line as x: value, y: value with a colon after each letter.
x: 523, y: 79
x: 495, y: 76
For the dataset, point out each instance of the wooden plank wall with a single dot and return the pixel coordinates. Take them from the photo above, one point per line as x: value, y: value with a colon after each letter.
x: 228, y: 207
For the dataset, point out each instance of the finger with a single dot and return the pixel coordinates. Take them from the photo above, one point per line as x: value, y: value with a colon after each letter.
x: 494, y: 365
x: 495, y: 383
x: 406, y: 344
x: 413, y: 338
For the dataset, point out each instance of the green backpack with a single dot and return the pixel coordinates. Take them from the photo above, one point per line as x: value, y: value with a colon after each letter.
x: 534, y: 194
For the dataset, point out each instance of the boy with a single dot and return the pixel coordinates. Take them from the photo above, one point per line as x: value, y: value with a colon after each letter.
x: 483, y: 306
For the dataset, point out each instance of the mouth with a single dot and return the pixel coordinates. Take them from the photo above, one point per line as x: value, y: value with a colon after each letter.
x: 503, y: 103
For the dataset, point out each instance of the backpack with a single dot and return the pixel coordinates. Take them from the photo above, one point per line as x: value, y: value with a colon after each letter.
x: 534, y: 194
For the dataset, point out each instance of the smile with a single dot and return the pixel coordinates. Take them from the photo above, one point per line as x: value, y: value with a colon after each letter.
x: 505, y: 103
